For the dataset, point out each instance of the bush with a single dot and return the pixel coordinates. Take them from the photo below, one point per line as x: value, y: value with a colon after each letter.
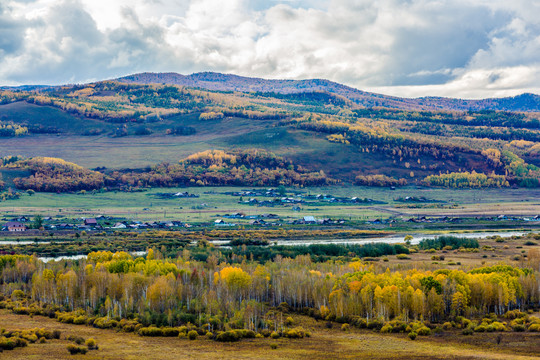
x: 386, y: 329
x: 228, y: 336
x: 150, y: 331
x: 274, y: 335
x: 296, y: 333
x: 480, y: 328
x: 273, y: 346
x: 56, y: 334
x: 518, y: 328
x: 91, y: 344
x: 375, y: 324
x: 467, y: 331
x: 74, y: 349
x: 412, y: 335
x: 447, y: 326
x: 345, y: 327
x: 192, y: 335
x: 402, y: 257
x: 76, y: 339
x: 289, y: 321
x: 424, y: 331
x: 170, y: 331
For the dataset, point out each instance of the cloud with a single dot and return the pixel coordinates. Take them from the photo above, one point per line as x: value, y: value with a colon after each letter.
x: 404, y: 47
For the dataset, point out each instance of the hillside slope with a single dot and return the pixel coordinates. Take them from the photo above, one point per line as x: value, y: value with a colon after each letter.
x: 229, y: 82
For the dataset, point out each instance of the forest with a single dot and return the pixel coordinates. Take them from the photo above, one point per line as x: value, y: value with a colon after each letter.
x: 211, y: 167
x: 157, y: 295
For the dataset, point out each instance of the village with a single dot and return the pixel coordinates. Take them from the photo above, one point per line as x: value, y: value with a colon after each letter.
x: 108, y: 223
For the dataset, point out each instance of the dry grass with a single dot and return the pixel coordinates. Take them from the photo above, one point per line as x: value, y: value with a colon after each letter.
x: 324, y: 344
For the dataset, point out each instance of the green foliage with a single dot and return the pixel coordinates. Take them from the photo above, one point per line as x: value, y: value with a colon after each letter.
x: 466, y: 180
x: 452, y: 241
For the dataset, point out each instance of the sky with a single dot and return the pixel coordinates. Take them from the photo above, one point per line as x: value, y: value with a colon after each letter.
x: 410, y: 48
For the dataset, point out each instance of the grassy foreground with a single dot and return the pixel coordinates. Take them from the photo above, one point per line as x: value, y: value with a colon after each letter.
x: 324, y: 344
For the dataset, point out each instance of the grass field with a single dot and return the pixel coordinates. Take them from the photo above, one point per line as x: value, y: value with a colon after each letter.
x: 212, y: 203
x: 324, y: 344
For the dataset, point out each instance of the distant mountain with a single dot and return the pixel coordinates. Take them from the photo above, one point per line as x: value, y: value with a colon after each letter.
x: 229, y: 82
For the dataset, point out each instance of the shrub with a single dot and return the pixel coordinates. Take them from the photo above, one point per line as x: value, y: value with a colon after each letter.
x: 170, y: 331
x: 228, y: 336
x: 150, y: 331
x: 192, y: 335
x: 76, y: 339
x: 412, y: 335
x: 91, y: 344
x: 534, y: 328
x: 79, y: 320
x: 273, y: 346
x: 480, y: 328
x: 424, y: 331
x: 402, y: 257
x: 42, y: 340
x: 467, y: 331
x: 289, y: 321
x: 56, y: 334
x: 447, y: 326
x: 345, y: 327
x: 519, y: 328
x: 74, y: 349
x: 296, y: 333
x: 274, y: 335
x: 386, y: 329
x: 375, y: 324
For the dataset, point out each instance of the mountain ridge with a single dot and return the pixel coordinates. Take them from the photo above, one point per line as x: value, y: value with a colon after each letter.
x: 230, y: 82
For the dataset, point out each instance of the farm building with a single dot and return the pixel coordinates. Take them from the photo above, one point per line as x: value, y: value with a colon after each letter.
x: 90, y: 222
x: 14, y: 226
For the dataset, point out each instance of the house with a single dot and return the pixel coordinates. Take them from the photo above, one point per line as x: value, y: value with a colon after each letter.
x: 21, y: 219
x: 237, y: 215
x: 220, y: 222
x: 90, y: 222
x: 14, y: 226
x: 119, y: 225
x: 309, y: 219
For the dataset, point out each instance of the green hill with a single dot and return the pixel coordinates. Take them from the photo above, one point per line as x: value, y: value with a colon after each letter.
x: 130, y: 125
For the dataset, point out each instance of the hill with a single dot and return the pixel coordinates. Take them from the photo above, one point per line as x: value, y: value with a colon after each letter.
x: 229, y: 82
x: 130, y: 125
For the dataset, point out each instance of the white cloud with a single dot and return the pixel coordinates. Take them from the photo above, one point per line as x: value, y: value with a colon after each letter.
x: 403, y: 47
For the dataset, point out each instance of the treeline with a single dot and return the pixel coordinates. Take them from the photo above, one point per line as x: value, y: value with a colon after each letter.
x: 466, y: 180
x: 219, y: 295
x: 208, y: 168
x: 317, y: 252
x: 481, y: 132
x: 119, y: 103
x: 378, y: 180
x: 57, y: 175
x: 218, y: 168
x: 380, y: 137
x: 171, y: 243
x: 452, y: 242
x: 490, y: 118
x: 10, y: 129
x: 309, y: 98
